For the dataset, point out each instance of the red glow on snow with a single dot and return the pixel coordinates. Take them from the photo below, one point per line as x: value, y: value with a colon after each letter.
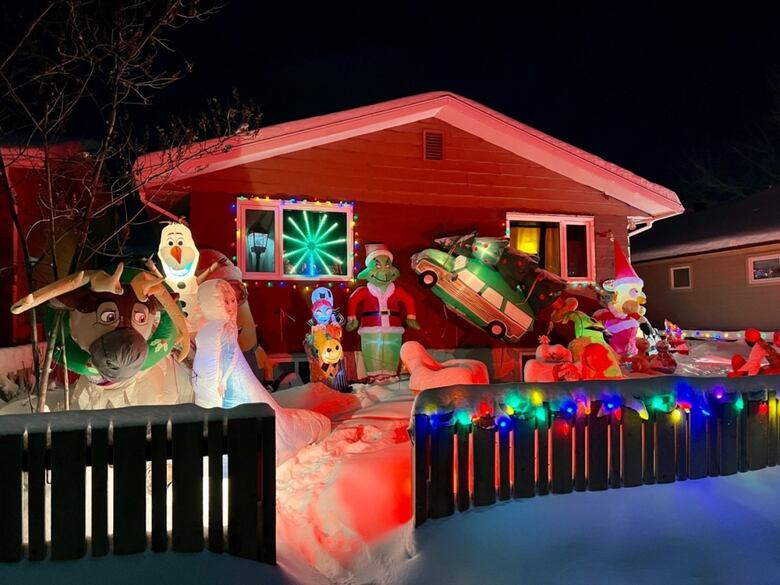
x: 375, y: 491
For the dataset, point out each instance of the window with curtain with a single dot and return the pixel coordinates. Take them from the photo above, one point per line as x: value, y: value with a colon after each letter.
x: 563, y: 244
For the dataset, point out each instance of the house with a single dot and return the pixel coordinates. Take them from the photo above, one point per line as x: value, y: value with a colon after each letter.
x: 715, y: 269
x: 402, y: 172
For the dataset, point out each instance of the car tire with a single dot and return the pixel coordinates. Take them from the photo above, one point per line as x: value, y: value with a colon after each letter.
x: 428, y: 279
x: 496, y: 329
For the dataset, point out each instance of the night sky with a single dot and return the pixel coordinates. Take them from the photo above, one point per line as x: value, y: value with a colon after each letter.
x: 649, y: 90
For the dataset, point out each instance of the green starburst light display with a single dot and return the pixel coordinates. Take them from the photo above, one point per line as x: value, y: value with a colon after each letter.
x: 314, y: 242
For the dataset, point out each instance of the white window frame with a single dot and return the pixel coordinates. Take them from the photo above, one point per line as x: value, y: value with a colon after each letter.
x: 671, y: 277
x: 278, y: 206
x: 761, y: 282
x: 563, y: 221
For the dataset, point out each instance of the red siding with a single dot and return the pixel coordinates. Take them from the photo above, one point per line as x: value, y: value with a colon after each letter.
x: 404, y: 201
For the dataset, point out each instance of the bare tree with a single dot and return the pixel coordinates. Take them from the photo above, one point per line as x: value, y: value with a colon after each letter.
x: 91, y: 65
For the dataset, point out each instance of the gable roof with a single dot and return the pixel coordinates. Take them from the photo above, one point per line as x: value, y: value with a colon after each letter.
x: 653, y: 201
x: 745, y: 222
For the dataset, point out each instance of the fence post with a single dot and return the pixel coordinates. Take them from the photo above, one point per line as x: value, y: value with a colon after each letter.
x: 98, y: 441
x: 771, y: 449
x: 11, y: 497
x: 504, y: 484
x: 681, y: 458
x: 420, y: 477
x: 580, y: 452
x: 632, y: 448
x: 743, y: 434
x: 464, y: 497
x: 728, y: 439
x: 597, y: 448
x: 129, y: 487
x: 648, y: 431
x: 442, y: 502
x: 484, y: 464
x: 36, y: 495
x: 524, y: 456
x: 561, y: 453
x: 757, y: 432
x: 665, y: 454
x: 216, y: 447
x: 697, y: 443
x: 267, y: 489
x: 68, y: 479
x: 615, y: 432
x: 243, y: 538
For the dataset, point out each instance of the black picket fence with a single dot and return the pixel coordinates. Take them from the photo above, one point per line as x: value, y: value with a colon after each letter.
x: 57, y: 448
x: 459, y: 464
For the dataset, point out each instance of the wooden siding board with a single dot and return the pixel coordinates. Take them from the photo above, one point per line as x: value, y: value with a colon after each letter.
x: 36, y: 496
x: 99, y: 504
x: 11, y: 497
x: 129, y: 489
x: 68, y: 493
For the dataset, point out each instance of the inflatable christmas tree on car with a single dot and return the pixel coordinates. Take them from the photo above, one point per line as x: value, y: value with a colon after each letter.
x: 491, y: 285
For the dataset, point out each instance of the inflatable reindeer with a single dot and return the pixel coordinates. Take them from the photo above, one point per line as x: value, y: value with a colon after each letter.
x: 117, y: 326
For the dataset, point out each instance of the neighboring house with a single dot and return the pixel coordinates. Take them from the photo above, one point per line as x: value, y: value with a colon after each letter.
x: 415, y: 169
x: 715, y: 269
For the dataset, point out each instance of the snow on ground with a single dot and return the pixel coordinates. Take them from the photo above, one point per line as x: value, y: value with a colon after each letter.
x: 707, y: 531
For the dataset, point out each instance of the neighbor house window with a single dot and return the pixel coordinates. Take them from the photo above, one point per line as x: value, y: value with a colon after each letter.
x: 680, y: 277
x: 564, y: 244
x: 764, y: 269
x: 285, y: 240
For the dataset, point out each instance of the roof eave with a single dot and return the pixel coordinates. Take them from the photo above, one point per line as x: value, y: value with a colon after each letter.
x: 469, y: 116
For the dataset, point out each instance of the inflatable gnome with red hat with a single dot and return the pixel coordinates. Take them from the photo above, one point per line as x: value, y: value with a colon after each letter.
x: 623, y: 315
x: 378, y: 306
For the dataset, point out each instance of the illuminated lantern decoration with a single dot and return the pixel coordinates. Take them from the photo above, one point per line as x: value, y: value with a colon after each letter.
x: 378, y: 306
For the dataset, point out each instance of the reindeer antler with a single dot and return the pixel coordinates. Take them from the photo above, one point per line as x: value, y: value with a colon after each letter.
x: 99, y: 281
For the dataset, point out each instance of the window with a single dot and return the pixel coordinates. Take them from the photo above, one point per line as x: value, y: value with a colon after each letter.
x: 764, y: 269
x: 680, y: 278
x: 564, y: 244
x: 305, y: 241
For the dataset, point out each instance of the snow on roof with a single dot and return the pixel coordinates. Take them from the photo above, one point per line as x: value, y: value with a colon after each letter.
x: 649, y: 198
x: 750, y: 221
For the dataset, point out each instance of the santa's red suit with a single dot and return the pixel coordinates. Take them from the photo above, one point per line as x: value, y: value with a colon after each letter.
x: 380, y: 311
x: 622, y: 329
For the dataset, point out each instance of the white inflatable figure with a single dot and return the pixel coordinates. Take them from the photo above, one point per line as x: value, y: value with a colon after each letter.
x: 179, y: 257
x: 425, y: 372
x: 222, y: 377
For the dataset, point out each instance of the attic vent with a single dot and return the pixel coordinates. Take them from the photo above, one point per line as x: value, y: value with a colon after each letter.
x: 434, y: 145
